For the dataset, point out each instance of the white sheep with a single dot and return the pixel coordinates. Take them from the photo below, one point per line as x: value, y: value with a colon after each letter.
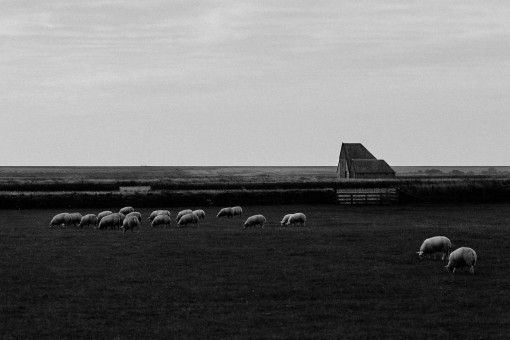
x: 227, y: 212
x: 182, y: 213
x: 103, y: 214
x: 162, y: 219
x: 121, y: 216
x: 254, y: 221
x: 200, y: 214
x: 89, y: 219
x: 75, y: 218
x: 112, y: 221
x: 460, y: 258
x: 130, y: 222
x: 237, y: 211
x: 62, y: 219
x: 126, y: 210
x: 158, y: 212
x: 435, y: 244
x: 285, y: 219
x: 137, y: 214
x: 189, y: 218
x: 297, y: 219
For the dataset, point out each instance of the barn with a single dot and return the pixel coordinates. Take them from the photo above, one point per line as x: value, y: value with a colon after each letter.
x: 356, y: 161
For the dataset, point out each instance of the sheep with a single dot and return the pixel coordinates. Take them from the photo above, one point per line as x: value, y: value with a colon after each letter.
x: 103, y: 214
x: 297, y: 218
x: 158, y: 212
x: 228, y: 212
x: 75, y: 218
x: 285, y: 219
x: 182, y: 213
x: 237, y: 211
x: 162, y: 219
x: 187, y: 219
x: 460, y: 258
x: 435, y: 244
x: 89, y: 219
x: 255, y: 220
x: 113, y: 221
x: 61, y: 219
x: 121, y: 217
x: 130, y: 222
x: 126, y: 210
x: 200, y: 214
x: 137, y: 214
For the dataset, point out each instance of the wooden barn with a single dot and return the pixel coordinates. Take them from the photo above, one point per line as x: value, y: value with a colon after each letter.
x: 356, y: 161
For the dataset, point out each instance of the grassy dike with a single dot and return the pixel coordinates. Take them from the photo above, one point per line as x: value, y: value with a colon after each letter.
x: 52, y: 194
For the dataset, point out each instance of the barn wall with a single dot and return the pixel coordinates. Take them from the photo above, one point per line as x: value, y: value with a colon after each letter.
x: 342, y: 169
x: 374, y: 175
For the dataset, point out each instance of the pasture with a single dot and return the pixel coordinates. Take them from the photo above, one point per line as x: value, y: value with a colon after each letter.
x: 352, y: 272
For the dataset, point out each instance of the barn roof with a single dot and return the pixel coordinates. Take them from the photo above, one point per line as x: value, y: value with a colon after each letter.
x: 371, y: 166
x: 356, y: 151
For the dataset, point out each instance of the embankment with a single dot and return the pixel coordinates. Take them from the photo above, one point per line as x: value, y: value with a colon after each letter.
x: 152, y: 193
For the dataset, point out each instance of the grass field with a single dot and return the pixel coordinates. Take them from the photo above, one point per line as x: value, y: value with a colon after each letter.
x: 352, y: 272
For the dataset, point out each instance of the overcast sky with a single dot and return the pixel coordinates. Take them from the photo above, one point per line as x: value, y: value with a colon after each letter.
x: 145, y: 82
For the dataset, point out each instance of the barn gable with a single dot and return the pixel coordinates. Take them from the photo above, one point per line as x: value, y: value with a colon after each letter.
x: 355, y: 151
x: 356, y: 161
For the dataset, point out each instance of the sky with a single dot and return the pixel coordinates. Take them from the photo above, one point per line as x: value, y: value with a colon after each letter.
x: 262, y: 82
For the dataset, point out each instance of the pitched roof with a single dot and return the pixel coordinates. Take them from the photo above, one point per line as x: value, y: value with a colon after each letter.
x: 356, y: 151
x: 371, y: 166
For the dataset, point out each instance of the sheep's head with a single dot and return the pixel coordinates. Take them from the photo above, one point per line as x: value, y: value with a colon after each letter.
x: 420, y: 254
x: 449, y: 268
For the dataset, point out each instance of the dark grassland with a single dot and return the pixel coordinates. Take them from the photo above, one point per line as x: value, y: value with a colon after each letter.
x: 352, y: 272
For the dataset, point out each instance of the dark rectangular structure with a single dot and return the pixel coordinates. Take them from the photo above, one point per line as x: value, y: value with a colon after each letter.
x: 356, y: 161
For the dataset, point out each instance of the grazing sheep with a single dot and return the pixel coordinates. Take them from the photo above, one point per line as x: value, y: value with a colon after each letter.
x: 126, y: 210
x: 460, y: 258
x: 162, y: 219
x: 112, y: 221
x: 103, y: 214
x: 130, y: 222
x: 285, y: 219
x: 254, y: 221
x: 182, y: 213
x: 190, y: 218
x: 297, y: 219
x: 200, y: 214
x: 75, y: 218
x: 435, y: 244
x: 89, y: 219
x: 62, y: 219
x: 121, y: 216
x: 137, y: 214
x: 158, y: 212
x: 228, y: 212
x: 237, y: 211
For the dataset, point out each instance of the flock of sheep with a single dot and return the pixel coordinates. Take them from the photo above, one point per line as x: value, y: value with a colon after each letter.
x: 459, y: 258
x: 128, y: 219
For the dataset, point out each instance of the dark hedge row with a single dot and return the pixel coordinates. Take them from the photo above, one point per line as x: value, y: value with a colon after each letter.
x: 168, y: 199
x: 53, y: 186
x: 423, y: 191
x: 486, y: 191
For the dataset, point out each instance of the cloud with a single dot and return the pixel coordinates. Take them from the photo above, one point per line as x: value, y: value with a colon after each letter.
x: 249, y: 62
